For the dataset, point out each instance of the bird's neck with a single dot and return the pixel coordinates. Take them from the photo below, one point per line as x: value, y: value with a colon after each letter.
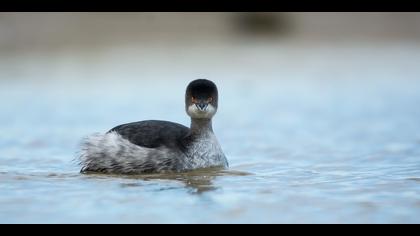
x: 201, y: 126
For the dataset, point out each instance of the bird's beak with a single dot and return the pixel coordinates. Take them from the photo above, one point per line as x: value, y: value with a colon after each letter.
x: 202, y: 106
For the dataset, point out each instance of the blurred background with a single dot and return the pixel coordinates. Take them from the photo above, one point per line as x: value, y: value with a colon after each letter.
x: 48, y: 46
x: 68, y: 54
x: 321, y: 108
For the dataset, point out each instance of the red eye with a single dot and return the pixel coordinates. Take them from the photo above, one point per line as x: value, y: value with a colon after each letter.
x: 193, y: 100
x: 210, y: 100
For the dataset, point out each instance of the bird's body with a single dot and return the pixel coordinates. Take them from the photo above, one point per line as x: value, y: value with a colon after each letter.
x: 159, y: 146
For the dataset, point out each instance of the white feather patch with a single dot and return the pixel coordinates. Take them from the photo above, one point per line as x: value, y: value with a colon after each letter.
x: 112, y: 153
x: 208, y: 113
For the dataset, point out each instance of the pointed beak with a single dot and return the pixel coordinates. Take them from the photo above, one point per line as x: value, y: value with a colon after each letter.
x: 201, y: 106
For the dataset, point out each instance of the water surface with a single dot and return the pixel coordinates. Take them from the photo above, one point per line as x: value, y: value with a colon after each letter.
x: 315, y: 135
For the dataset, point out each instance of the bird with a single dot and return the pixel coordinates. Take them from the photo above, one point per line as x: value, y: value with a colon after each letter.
x: 157, y: 146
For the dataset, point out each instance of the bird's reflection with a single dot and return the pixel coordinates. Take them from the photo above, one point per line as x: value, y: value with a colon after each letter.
x: 197, y: 181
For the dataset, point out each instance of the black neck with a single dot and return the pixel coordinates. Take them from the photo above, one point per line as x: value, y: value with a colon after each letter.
x: 201, y: 126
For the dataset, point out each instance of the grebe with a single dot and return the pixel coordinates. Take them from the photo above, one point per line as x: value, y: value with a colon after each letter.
x: 155, y: 146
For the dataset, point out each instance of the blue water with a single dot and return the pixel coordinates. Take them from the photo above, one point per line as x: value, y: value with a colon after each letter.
x: 312, y: 136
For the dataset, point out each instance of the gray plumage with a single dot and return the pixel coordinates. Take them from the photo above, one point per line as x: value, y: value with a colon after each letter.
x: 160, y: 146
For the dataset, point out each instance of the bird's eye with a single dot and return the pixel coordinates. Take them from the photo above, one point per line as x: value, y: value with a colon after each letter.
x: 193, y: 100
x: 210, y: 99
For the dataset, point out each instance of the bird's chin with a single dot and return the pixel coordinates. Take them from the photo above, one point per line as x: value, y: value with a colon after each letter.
x: 196, y: 113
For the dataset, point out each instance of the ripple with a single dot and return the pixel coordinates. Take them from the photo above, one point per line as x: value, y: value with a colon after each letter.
x: 21, y: 178
x: 125, y: 185
x: 414, y: 179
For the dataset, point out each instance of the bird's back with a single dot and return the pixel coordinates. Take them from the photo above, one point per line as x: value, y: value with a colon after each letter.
x: 154, y: 133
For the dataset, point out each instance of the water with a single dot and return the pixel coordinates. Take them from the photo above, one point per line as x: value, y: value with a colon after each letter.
x: 312, y: 136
